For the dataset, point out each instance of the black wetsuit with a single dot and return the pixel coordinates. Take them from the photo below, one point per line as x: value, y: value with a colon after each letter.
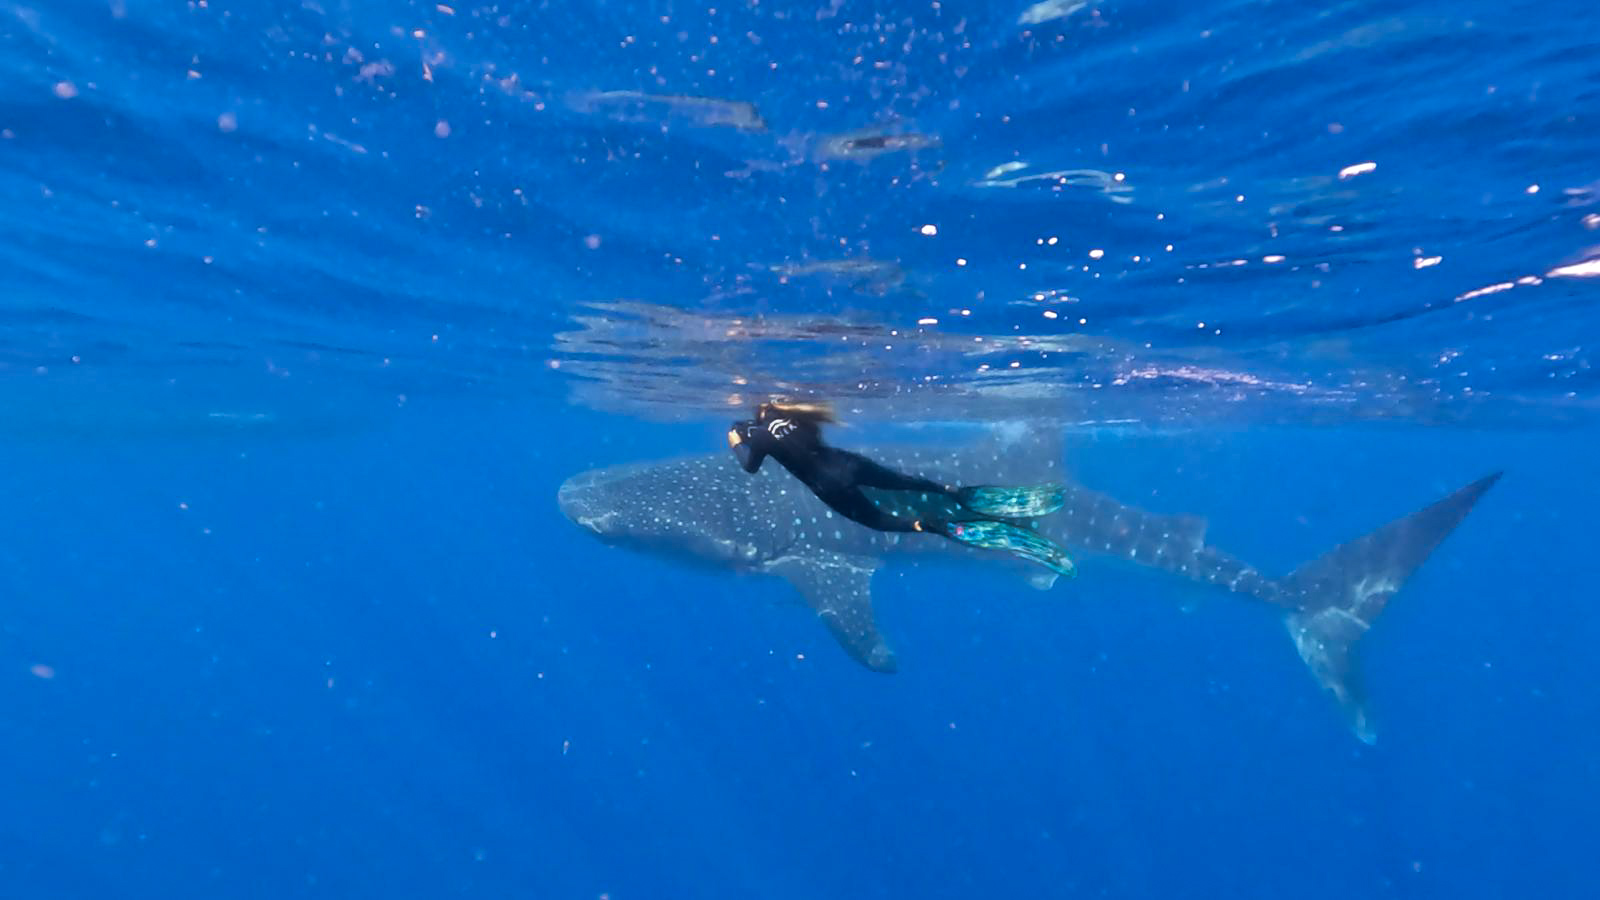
x: 880, y: 498
x: 843, y: 479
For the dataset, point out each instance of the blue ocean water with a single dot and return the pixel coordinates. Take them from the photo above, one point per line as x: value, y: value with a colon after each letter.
x: 309, y: 309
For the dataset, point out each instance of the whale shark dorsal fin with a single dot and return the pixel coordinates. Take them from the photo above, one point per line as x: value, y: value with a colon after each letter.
x: 839, y: 588
x: 1024, y: 453
x: 1187, y: 528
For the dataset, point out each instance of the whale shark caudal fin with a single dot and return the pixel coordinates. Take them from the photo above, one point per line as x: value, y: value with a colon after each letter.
x: 838, y: 588
x: 1338, y: 595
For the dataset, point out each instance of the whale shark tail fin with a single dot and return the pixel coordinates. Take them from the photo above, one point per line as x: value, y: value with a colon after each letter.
x: 1337, y: 596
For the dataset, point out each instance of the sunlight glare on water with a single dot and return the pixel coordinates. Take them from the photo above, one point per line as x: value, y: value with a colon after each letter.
x: 1071, y: 208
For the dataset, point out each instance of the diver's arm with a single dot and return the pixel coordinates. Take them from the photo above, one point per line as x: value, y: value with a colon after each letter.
x: 750, y: 458
x: 748, y: 442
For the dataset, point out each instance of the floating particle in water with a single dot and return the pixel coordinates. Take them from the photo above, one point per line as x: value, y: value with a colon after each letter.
x: 636, y: 106
x: 1014, y: 174
x: 1050, y: 10
x: 866, y: 275
x: 870, y: 143
x: 1582, y: 268
x: 1583, y: 195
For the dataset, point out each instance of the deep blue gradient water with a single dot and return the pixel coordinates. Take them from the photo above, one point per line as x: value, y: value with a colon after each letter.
x: 306, y: 311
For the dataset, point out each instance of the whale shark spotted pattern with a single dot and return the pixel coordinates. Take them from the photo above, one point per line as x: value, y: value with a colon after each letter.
x: 707, y: 510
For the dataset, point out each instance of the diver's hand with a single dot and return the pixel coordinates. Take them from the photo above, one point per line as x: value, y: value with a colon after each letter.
x: 744, y: 440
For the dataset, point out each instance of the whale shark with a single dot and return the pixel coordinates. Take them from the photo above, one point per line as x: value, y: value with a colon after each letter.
x: 705, y: 510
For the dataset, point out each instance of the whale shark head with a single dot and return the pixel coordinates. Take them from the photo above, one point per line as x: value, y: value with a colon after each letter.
x: 695, y: 510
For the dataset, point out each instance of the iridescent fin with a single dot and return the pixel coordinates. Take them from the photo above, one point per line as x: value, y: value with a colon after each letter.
x: 1013, y: 502
x: 1013, y: 539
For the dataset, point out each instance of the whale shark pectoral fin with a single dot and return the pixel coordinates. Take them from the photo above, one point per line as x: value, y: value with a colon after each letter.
x: 839, y: 588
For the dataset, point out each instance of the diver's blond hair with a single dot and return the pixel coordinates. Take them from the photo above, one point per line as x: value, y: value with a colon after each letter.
x: 806, y: 410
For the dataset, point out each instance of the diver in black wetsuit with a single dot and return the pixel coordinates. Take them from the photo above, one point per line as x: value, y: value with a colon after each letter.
x: 881, y: 498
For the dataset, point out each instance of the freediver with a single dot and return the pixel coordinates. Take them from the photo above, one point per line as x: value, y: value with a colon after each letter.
x: 871, y: 494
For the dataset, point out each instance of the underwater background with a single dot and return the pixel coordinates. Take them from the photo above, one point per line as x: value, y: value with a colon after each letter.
x: 308, y: 309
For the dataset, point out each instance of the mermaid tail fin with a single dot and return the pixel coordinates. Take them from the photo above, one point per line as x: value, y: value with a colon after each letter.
x: 1014, y: 539
x: 1013, y: 502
